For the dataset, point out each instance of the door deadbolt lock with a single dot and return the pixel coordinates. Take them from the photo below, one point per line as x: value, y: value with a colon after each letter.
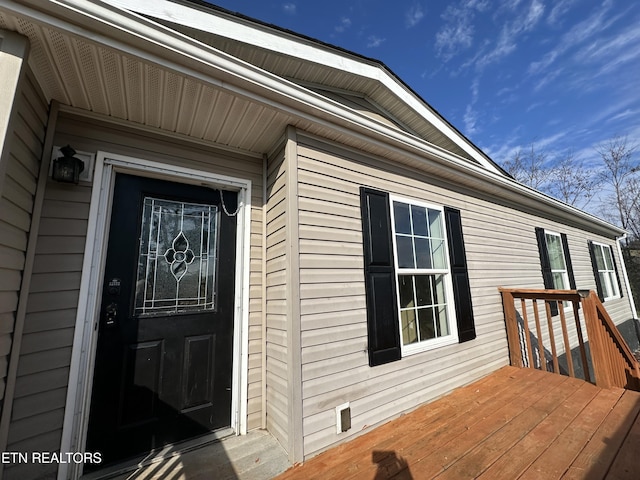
x: 113, y: 287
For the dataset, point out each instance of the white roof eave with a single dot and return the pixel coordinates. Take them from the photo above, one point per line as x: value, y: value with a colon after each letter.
x: 244, y: 31
x: 261, y: 86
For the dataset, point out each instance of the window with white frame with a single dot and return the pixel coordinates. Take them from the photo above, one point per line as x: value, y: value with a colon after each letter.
x: 606, y: 271
x: 557, y: 261
x: 423, y: 276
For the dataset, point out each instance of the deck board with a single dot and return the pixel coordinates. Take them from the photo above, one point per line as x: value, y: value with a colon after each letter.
x: 596, y: 458
x: 626, y: 463
x: 515, y: 423
x: 561, y: 453
x: 354, y: 459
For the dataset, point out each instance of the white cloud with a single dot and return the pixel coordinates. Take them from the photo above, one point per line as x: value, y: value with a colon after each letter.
x: 549, y: 77
x: 475, y: 89
x: 414, y: 15
x: 457, y: 32
x: 289, y: 8
x: 470, y: 120
x: 559, y: 9
x: 533, y: 16
x: 453, y: 38
x: 506, y: 44
x: 345, y: 23
x: 508, y: 40
x: 550, y: 140
x: 374, y: 41
x: 534, y: 105
x: 624, y: 45
x: 547, y: 60
x: 612, y: 111
x: 504, y: 149
x: 577, y: 35
x: 622, y: 115
x: 479, y: 5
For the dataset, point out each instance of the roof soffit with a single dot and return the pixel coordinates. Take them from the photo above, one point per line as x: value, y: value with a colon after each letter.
x: 302, y: 59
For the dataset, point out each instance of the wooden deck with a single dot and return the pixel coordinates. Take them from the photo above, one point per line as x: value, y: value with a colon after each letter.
x: 515, y: 423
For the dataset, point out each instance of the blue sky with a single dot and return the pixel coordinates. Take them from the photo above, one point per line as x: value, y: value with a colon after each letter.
x: 563, y: 74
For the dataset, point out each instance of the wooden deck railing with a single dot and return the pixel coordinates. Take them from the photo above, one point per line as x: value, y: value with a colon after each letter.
x: 606, y: 355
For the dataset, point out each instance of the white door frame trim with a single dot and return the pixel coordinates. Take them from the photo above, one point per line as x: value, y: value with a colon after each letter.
x: 76, y: 417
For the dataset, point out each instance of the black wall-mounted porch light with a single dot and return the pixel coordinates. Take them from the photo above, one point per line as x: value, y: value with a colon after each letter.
x: 67, y: 168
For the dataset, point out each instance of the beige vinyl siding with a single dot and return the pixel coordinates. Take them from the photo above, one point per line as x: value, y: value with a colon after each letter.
x: 43, y: 368
x: 256, y: 343
x: 53, y: 298
x: 16, y: 206
x: 276, y: 318
x: 501, y: 251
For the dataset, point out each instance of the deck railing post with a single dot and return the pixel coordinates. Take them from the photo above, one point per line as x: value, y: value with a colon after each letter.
x: 513, y: 334
x: 597, y: 342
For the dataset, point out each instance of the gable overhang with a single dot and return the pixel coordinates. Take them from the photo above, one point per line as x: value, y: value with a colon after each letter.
x: 307, y: 51
x: 106, y: 62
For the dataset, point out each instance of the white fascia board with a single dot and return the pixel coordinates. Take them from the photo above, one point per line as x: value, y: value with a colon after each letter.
x: 141, y: 33
x: 197, y: 60
x: 245, y: 31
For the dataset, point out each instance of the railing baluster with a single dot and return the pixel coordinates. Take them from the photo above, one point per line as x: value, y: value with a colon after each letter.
x: 527, y: 337
x: 583, y: 351
x: 565, y: 336
x: 552, y: 340
x: 541, y: 356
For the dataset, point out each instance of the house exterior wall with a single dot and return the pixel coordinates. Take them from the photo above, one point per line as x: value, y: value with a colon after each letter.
x: 53, y: 298
x: 277, y: 401
x: 501, y: 250
x: 43, y: 368
x: 22, y: 124
x: 17, y: 203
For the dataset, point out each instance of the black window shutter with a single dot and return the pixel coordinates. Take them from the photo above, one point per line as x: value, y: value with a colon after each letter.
x: 380, y: 278
x: 567, y: 259
x: 545, y: 264
x: 594, y: 266
x: 459, y: 275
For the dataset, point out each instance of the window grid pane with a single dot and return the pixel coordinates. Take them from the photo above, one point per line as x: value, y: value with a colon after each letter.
x: 422, y: 298
x: 557, y: 261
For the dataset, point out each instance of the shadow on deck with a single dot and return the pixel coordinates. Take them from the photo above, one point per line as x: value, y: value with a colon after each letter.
x: 515, y: 423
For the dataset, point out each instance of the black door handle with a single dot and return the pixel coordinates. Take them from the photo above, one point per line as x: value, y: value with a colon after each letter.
x: 111, y: 314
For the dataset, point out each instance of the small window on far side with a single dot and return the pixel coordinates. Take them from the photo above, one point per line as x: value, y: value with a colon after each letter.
x: 557, y: 261
x: 606, y: 271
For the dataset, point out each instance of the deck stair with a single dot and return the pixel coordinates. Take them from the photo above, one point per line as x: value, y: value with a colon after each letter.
x: 586, y: 345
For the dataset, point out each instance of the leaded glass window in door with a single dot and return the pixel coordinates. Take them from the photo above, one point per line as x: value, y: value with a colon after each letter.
x: 177, y: 257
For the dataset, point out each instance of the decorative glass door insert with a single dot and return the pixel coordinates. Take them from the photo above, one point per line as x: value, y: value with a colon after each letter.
x: 177, y: 257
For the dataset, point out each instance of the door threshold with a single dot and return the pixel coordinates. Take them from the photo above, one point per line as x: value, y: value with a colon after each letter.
x: 159, y: 455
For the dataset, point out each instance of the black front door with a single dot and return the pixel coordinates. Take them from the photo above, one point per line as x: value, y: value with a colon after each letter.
x: 165, y: 343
